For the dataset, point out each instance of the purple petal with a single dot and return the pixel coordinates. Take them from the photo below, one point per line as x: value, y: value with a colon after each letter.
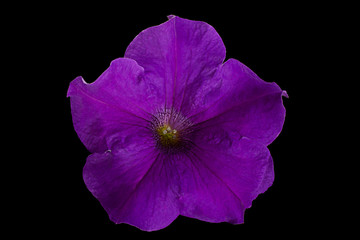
x: 179, y: 57
x: 243, y: 103
x: 135, y: 184
x: 205, y: 196
x: 223, y: 176
x: 119, y: 98
x: 241, y: 159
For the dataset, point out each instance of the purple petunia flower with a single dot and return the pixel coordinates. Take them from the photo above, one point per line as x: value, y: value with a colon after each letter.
x: 174, y: 130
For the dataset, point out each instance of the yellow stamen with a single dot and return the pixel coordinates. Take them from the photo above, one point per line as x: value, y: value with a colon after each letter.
x: 168, y: 136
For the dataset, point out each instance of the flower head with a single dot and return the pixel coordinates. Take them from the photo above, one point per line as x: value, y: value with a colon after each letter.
x: 174, y: 130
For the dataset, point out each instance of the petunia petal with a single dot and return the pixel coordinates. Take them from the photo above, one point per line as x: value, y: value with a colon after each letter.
x: 223, y: 176
x: 119, y: 98
x: 205, y: 196
x: 179, y: 57
x: 244, y: 103
x: 243, y: 161
x: 135, y: 184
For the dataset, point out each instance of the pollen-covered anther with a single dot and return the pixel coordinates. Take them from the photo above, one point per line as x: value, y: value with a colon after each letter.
x: 167, y: 137
x: 171, y: 131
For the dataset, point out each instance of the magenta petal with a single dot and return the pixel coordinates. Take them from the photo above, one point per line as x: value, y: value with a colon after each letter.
x: 135, y: 184
x: 223, y: 175
x: 244, y: 104
x: 115, y: 101
x: 179, y: 56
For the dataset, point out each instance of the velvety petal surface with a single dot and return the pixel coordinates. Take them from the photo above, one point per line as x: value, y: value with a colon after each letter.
x: 119, y: 98
x: 180, y: 57
x: 224, y: 173
x: 134, y: 183
x: 244, y: 103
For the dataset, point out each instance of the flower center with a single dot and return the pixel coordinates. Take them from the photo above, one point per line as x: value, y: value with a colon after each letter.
x: 171, y: 131
x: 168, y: 136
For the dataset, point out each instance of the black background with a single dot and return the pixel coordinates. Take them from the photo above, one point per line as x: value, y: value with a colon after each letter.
x: 280, y: 42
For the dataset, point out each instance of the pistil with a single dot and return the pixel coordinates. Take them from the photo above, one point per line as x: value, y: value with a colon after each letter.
x: 171, y: 131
